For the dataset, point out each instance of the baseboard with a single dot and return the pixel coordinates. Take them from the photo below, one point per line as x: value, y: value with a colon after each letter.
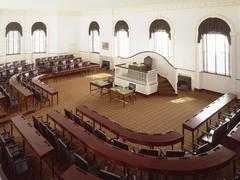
x: 209, y: 92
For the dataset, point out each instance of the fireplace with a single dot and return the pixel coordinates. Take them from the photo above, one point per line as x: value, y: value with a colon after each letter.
x: 184, y: 83
x: 105, y: 65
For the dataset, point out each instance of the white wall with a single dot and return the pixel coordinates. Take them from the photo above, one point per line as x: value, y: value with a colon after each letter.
x: 69, y: 33
x: 184, y: 47
x: 62, y: 34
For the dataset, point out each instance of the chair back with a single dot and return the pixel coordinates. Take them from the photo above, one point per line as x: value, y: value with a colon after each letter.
x: 120, y: 144
x: 80, y: 162
x: 175, y: 153
x: 88, y: 126
x: 106, y: 175
x: 148, y: 62
x: 100, y: 134
x: 36, y: 122
x: 149, y: 152
x: 132, y: 86
x: 68, y: 114
x: 77, y: 119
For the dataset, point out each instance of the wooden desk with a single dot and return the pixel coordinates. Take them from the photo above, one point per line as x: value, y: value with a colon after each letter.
x: 233, y: 138
x: 21, y: 90
x: 76, y: 173
x: 100, y: 84
x: 91, y: 67
x: 44, y: 87
x: 37, y: 142
x: 122, y: 94
x: 203, y: 116
x: 193, y: 165
x: 3, y: 102
x: 164, y: 139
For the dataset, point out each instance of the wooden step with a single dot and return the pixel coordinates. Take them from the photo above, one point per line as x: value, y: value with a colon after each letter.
x: 164, y: 87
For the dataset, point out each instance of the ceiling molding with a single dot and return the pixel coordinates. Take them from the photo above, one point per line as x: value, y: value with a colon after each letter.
x: 115, y: 8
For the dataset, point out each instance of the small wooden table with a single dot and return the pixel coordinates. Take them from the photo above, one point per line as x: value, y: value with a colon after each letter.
x: 121, y: 94
x: 76, y: 173
x: 100, y: 84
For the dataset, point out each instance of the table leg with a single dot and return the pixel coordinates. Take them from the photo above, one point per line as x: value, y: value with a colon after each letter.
x: 57, y: 98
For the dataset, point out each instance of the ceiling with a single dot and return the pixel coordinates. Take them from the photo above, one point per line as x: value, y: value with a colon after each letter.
x: 91, y: 5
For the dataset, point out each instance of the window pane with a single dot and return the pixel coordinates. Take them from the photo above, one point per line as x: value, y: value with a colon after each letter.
x: 161, y: 43
x: 216, y: 54
x: 39, y: 41
x: 95, y: 41
x: 13, y: 42
x: 122, y: 43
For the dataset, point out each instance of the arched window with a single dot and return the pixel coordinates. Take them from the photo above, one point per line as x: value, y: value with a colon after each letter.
x: 94, y: 36
x: 159, y: 32
x: 214, y: 35
x: 13, y: 35
x: 121, y: 39
x: 39, y: 33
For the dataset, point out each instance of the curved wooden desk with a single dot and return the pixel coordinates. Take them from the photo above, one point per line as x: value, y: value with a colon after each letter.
x: 3, y: 102
x: 203, y: 163
x: 44, y: 87
x: 23, y: 91
x: 233, y: 138
x: 76, y: 173
x: 165, y: 139
x: 203, y: 116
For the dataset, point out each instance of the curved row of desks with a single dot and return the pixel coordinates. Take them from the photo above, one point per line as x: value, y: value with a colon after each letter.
x: 37, y: 81
x: 165, y: 139
x: 203, y: 116
x: 21, y: 90
x: 193, y: 165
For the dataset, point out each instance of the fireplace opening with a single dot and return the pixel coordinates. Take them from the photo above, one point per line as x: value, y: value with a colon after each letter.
x: 184, y: 83
x: 105, y: 65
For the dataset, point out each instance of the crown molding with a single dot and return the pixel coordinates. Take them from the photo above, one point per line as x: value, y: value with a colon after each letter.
x: 11, y: 12
x: 172, y: 5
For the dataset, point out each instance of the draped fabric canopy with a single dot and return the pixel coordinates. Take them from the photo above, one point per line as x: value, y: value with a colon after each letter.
x: 121, y: 25
x: 39, y: 26
x: 159, y: 25
x: 14, y: 26
x: 214, y: 25
x: 94, y: 27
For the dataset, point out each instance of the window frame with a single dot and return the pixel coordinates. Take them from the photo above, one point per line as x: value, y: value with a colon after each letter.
x: 34, y: 41
x: 92, y: 36
x: 226, y: 52
x: 8, y: 43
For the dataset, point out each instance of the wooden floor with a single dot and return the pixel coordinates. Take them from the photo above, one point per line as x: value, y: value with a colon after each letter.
x: 149, y: 114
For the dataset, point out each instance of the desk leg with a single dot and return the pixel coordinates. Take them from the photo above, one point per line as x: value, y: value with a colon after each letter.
x: 26, y: 101
x: 57, y: 98
x: 123, y: 97
x: 193, y: 140
x: 234, y: 167
x: 40, y: 172
x: 51, y: 100
x: 11, y: 129
x: 183, y: 136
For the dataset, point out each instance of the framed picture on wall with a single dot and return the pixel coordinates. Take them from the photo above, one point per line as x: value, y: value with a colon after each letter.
x: 105, y: 45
